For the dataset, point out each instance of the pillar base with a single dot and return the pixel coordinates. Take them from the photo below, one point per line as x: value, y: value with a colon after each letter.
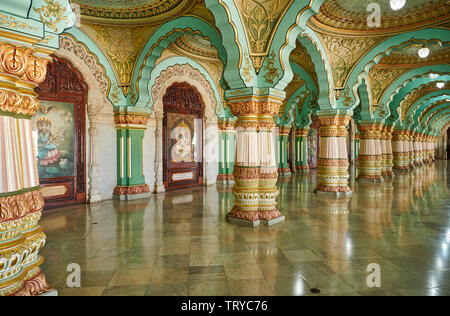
x: 334, y: 191
x: 372, y: 179
x: 256, y: 223
x: 132, y: 193
x: 225, y: 179
x: 95, y: 199
x: 284, y: 172
x: 254, y: 218
x: 388, y: 174
x: 302, y: 169
x: 50, y: 293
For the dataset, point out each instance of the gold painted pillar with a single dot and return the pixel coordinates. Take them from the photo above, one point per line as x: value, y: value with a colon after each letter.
x: 333, y: 175
x: 386, y: 150
x: 411, y: 149
x: 417, y: 150
x: 21, y: 201
x: 301, y: 150
x: 370, y: 154
x: 255, y: 170
x: 400, y: 150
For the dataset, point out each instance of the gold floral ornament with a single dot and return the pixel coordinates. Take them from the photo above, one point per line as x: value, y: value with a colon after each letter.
x: 272, y: 71
x: 11, y: 22
x: 51, y: 14
x: 246, y: 70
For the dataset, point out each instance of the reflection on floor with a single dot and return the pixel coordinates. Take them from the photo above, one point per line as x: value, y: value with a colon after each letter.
x: 181, y: 244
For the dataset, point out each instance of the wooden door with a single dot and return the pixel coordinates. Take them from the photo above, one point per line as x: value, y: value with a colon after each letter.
x: 59, y: 131
x: 183, y: 137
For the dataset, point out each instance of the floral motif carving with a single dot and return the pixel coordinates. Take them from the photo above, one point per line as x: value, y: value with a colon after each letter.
x: 344, y: 52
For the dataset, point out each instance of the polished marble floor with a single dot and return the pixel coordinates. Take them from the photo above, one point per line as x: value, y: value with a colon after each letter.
x: 180, y: 243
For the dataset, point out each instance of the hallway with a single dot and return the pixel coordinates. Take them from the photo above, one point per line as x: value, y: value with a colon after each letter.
x: 181, y: 244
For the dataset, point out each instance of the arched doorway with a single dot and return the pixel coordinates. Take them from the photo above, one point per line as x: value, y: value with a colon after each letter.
x: 182, y: 137
x: 59, y: 135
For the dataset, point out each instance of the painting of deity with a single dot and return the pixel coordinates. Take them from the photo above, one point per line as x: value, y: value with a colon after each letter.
x: 54, y: 136
x: 182, y: 137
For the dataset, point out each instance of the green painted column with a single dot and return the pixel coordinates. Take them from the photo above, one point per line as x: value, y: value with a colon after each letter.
x: 357, y: 145
x: 283, y: 152
x: 130, y: 156
x: 301, y: 150
x: 227, y: 151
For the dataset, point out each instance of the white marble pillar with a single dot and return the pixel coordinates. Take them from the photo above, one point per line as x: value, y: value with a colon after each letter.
x: 94, y: 194
x: 159, y: 184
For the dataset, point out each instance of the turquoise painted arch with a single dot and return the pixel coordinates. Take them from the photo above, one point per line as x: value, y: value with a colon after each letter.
x: 172, y: 61
x: 365, y: 100
x: 439, y: 125
x: 397, y: 90
x: 287, y: 117
x: 386, y: 47
x: 423, y: 103
x: 435, y: 114
x: 160, y: 40
x: 228, y: 21
x: 318, y: 55
x: 289, y: 28
x: 404, y: 90
x: 435, y: 125
x: 92, y: 47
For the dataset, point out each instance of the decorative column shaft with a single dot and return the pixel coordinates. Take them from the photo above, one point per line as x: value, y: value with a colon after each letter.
x: 159, y: 178
x: 386, y: 151
x: 130, y: 161
x: 21, y: 201
x: 94, y: 194
x: 332, y: 176
x: 417, y: 149
x: 282, y: 153
x: 357, y: 145
x: 301, y: 150
x: 255, y: 171
x: 370, y: 154
x: 400, y: 150
x: 411, y: 149
x: 227, y: 151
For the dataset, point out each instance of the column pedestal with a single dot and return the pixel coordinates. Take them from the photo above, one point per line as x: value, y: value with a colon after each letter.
x: 370, y: 155
x: 386, y: 148
x: 130, y: 160
x: 255, y: 172
x: 332, y: 176
x: 301, y: 150
x: 283, y: 139
x: 227, y: 145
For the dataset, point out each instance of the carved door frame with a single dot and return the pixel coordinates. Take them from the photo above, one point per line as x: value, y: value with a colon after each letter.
x: 194, y: 105
x: 64, y: 83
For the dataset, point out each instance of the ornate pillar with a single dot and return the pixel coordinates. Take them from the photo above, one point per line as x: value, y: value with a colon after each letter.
x: 255, y: 171
x: 159, y: 181
x: 94, y: 194
x: 301, y: 150
x: 386, y: 149
x: 370, y: 154
x: 332, y: 176
x: 283, y: 140
x: 357, y: 145
x: 400, y: 150
x: 130, y: 128
x: 227, y: 151
x: 21, y: 201
x: 417, y: 150
x: 411, y: 149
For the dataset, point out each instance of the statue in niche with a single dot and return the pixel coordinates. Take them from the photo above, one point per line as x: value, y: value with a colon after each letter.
x: 182, y: 149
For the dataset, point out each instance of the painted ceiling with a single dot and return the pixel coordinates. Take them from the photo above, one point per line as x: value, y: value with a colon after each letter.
x: 352, y: 15
x: 439, y: 53
x: 132, y: 9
